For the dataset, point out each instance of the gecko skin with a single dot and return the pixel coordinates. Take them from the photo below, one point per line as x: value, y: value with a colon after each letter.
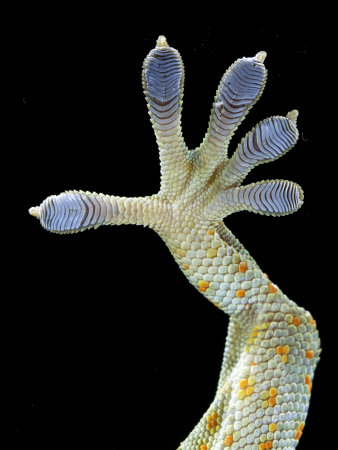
x: 272, y: 346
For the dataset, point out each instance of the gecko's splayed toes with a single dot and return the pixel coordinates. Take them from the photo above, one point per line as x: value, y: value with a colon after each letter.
x: 272, y: 347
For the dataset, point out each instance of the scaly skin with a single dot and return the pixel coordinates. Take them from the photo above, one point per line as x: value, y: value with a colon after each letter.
x: 272, y: 346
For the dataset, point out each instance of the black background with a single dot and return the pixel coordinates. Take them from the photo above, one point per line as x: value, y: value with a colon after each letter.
x: 109, y: 345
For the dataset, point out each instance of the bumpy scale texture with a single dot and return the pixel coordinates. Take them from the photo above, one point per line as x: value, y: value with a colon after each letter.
x: 272, y: 346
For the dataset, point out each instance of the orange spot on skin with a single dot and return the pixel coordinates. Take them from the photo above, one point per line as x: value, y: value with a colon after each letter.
x: 313, y: 322
x: 214, y: 415
x: 203, y: 447
x: 202, y: 283
x: 254, y: 364
x: 266, y: 275
x: 229, y: 440
x: 268, y: 444
x: 240, y: 293
x: 242, y: 266
x: 243, y: 383
x: 279, y: 350
x: 185, y: 266
x: 211, y: 232
x: 272, y: 287
x: 262, y: 446
x: 307, y: 379
x: 310, y: 354
x: 296, y: 321
x: 202, y: 289
x: 298, y: 434
x: 272, y: 401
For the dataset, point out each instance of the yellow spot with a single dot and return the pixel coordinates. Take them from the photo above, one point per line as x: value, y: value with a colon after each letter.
x: 240, y: 293
x: 251, y: 380
x: 203, y: 284
x: 229, y: 440
x: 272, y: 401
x: 265, y: 326
x: 284, y: 359
x: 273, y: 392
x: 296, y: 321
x: 272, y: 287
x: 211, y: 252
x: 286, y: 349
x: 262, y: 446
x: 243, y: 383
x: 209, y: 426
x: 265, y: 404
x: 272, y: 427
x: 310, y: 354
x: 185, y: 266
x: 211, y: 232
x: 289, y: 318
x: 214, y: 415
x: 241, y: 394
x: 279, y: 350
x: 254, y: 334
x: 212, y: 431
x: 301, y: 426
x: 249, y: 390
x: 181, y: 252
x: 313, y: 322
x: 264, y: 395
x: 242, y: 266
x: 209, y: 419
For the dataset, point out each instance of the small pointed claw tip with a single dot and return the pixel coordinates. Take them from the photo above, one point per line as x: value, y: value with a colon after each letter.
x: 161, y: 42
x: 34, y: 211
x: 261, y: 56
x: 292, y: 115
